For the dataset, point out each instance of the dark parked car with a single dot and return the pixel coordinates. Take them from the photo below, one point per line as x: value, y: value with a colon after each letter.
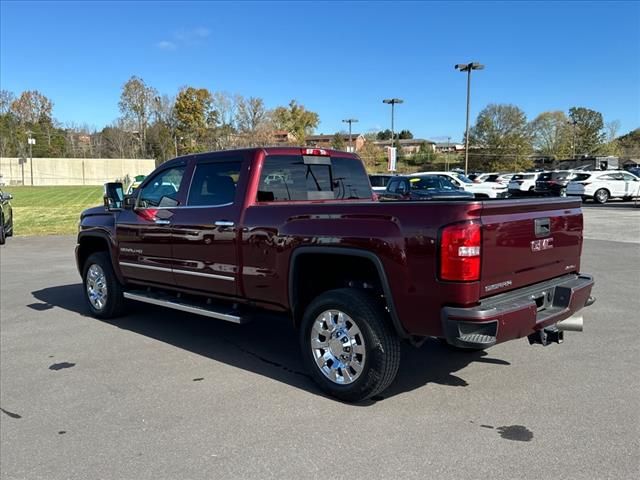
x: 554, y: 183
x: 6, y: 216
x: 423, y: 187
x: 207, y: 234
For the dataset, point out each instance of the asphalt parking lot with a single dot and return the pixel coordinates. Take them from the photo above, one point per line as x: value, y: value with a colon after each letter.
x: 165, y: 395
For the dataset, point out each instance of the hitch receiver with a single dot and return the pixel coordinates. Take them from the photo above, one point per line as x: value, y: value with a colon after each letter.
x: 546, y: 336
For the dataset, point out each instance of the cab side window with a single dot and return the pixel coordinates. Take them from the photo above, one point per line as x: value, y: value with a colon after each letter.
x: 162, y: 190
x: 214, y: 184
x: 393, y: 186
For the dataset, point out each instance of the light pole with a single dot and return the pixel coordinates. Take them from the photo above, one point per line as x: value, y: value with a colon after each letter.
x: 448, y: 152
x: 573, y: 141
x: 32, y: 142
x: 467, y: 67
x: 392, y: 102
x: 350, y: 121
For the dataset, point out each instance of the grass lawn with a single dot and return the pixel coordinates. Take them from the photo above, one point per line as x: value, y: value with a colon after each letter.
x: 51, y: 210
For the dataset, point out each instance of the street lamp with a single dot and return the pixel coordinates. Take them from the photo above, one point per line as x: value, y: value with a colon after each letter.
x: 467, y: 67
x: 392, y: 102
x: 32, y: 142
x: 350, y: 121
x: 573, y: 141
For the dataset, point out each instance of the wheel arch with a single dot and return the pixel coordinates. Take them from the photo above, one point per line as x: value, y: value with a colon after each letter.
x: 298, y: 302
x: 92, y: 242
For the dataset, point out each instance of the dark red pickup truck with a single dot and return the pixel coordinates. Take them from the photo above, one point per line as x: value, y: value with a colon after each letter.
x: 298, y: 231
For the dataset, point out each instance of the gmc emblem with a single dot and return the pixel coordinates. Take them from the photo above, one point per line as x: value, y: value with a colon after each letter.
x: 543, y: 244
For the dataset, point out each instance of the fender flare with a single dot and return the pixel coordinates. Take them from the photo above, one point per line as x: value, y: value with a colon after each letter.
x: 353, y: 252
x: 104, y: 236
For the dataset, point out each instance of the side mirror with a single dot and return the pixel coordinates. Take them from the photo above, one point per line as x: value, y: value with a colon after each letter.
x: 7, y: 196
x: 113, y: 196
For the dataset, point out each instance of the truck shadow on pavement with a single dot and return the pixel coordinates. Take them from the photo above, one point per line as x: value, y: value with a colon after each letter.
x: 266, y: 347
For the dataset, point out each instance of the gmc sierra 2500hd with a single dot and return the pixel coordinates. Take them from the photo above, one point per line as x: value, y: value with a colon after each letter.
x: 299, y: 231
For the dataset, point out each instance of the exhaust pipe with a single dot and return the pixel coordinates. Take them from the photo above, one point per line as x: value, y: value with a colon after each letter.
x: 571, y: 324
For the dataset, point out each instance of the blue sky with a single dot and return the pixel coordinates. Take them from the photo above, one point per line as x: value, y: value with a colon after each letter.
x: 338, y: 59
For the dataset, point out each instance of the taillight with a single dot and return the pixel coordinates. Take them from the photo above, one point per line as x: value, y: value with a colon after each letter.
x: 460, y: 252
x: 315, y: 151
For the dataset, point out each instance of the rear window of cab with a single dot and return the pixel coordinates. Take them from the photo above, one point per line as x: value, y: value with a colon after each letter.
x: 300, y: 177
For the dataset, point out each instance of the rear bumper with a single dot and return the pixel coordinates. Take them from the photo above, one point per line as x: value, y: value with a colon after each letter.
x: 518, y: 313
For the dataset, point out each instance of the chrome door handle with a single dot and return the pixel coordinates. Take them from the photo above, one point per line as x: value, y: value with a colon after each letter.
x: 160, y: 221
x: 224, y: 223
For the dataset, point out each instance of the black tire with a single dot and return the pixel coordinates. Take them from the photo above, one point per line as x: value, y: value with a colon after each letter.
x: 114, y: 304
x: 3, y: 236
x: 381, y: 344
x: 601, y: 196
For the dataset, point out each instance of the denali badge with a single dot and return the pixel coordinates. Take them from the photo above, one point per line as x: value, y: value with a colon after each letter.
x: 543, y: 244
x: 496, y: 286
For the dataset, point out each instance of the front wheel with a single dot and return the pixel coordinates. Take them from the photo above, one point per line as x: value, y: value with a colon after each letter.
x: 102, y: 290
x: 348, y: 344
x: 601, y: 196
x: 3, y: 235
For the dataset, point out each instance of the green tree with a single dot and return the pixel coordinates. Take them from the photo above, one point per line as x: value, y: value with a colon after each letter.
x: 501, y: 139
x: 552, y: 134
x: 384, y: 135
x: 589, y: 130
x: 296, y: 119
x: 337, y: 142
x: 405, y: 135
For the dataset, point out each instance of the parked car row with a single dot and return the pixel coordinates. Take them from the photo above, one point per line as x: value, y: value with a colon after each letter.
x: 599, y: 186
x: 6, y: 216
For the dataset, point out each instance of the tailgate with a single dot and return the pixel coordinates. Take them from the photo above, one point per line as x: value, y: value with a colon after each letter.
x: 528, y: 241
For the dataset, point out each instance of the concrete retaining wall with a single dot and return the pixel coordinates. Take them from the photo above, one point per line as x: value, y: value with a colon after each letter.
x: 71, y: 171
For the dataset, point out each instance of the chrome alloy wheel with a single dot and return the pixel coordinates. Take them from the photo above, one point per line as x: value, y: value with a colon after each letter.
x: 338, y: 347
x: 96, y: 287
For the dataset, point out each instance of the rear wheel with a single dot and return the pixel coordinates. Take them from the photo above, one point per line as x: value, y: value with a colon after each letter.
x: 348, y: 344
x: 102, y: 289
x: 601, y: 196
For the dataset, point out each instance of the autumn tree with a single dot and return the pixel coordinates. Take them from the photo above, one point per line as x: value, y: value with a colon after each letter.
x: 31, y: 107
x: 194, y: 114
x: 502, y: 139
x: 296, y: 119
x: 552, y: 134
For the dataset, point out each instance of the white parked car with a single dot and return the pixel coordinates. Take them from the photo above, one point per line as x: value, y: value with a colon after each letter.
x: 502, y: 178
x: 480, y: 190
x: 601, y: 186
x: 523, y: 182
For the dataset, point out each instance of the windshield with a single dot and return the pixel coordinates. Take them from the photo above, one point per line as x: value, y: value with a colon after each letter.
x: 461, y: 177
x: 424, y: 183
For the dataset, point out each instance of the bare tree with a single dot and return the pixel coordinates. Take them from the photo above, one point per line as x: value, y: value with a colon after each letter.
x: 612, y: 128
x: 136, y: 104
x: 6, y: 99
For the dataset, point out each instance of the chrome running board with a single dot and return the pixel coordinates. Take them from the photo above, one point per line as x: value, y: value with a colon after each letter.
x: 185, y: 306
